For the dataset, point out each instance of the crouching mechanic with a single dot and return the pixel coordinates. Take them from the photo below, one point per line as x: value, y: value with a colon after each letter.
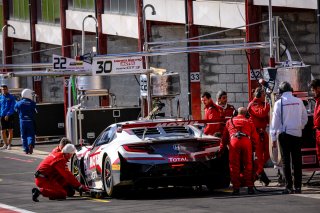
x: 242, y: 137
x: 64, y: 141
x: 47, y: 176
x: 70, y: 190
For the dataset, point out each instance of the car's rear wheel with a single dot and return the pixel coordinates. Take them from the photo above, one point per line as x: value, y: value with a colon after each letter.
x: 107, y: 178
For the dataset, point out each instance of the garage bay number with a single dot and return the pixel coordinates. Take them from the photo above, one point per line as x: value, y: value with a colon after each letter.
x: 195, y: 77
x: 104, y: 67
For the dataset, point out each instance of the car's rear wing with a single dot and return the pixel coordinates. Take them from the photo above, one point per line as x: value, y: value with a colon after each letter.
x: 171, y: 123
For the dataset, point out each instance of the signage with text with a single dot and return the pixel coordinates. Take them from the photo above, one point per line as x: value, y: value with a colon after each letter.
x: 63, y: 63
x: 117, y: 65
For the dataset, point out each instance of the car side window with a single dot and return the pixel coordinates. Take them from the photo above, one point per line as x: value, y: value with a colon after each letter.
x: 106, y: 136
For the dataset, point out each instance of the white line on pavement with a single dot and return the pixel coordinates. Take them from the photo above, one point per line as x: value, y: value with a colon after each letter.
x: 12, y: 208
x: 19, y: 151
x: 315, y: 196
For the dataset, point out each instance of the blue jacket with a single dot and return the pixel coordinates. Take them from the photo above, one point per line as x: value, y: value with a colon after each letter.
x: 7, y: 103
x: 26, y: 109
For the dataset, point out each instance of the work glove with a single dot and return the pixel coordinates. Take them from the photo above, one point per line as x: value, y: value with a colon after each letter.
x: 217, y: 134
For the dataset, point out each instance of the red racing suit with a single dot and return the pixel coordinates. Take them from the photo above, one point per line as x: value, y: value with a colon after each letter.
x: 240, y: 148
x: 316, y: 123
x: 51, y: 169
x: 213, y: 112
x: 259, y: 114
x: 57, y: 149
x: 227, y: 110
x: 61, y: 180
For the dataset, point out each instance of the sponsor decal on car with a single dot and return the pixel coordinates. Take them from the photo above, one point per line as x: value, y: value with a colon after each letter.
x: 178, y: 123
x: 93, y: 160
x: 178, y: 158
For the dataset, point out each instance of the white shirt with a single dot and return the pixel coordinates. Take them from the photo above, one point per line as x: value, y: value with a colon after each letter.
x: 294, y: 116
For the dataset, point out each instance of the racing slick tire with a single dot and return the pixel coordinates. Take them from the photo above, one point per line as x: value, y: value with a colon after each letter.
x: 107, y: 179
x: 77, y: 168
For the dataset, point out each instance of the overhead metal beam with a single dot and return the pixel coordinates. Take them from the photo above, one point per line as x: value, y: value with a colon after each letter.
x: 177, y: 50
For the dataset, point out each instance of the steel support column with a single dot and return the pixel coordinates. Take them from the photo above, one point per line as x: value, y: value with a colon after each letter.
x: 35, y: 46
x: 193, y: 66
x: 140, y: 25
x: 253, y: 14
x: 66, y: 36
x: 8, y: 41
x: 102, y: 42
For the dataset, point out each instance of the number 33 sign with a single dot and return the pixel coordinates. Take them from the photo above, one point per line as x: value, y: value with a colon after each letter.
x: 195, y: 77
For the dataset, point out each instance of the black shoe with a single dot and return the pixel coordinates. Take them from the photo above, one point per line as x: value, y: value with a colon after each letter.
x: 30, y: 149
x: 288, y: 191
x: 297, y: 191
x: 236, y: 192
x: 251, y: 191
x: 35, y: 194
x: 264, y: 178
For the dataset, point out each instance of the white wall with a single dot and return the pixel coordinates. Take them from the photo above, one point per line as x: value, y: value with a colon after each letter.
x: 126, y: 26
x: 166, y: 11
x: 74, y: 21
x: 307, y: 4
x: 219, y: 14
x: 48, y: 34
x: 22, y: 30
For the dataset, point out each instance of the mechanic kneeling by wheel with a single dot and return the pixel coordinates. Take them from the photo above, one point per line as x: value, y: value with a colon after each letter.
x: 47, y: 176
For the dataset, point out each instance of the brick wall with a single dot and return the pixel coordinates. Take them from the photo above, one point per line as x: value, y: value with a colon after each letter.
x: 225, y: 70
x: 303, y: 29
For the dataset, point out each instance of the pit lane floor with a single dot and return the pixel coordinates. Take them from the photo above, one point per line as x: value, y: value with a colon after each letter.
x: 16, y: 182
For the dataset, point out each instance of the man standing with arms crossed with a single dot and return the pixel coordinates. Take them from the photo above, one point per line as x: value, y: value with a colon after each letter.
x: 289, y: 118
x: 7, y: 102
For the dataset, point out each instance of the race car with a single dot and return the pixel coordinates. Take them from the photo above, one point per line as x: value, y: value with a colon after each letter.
x: 154, y: 153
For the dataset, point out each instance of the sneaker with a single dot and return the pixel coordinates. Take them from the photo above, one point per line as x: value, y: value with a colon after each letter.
x: 236, y: 192
x: 9, y: 147
x: 3, y: 147
x: 288, y: 191
x: 297, y: 191
x: 35, y: 194
x: 251, y: 191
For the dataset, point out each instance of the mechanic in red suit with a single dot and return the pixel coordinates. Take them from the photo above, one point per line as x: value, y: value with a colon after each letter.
x: 259, y: 110
x: 70, y: 191
x: 64, y: 141
x: 212, y: 111
x: 222, y: 101
x: 49, y: 172
x: 315, y: 88
x: 241, y: 136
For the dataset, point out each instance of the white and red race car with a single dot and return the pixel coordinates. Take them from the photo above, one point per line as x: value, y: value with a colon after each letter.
x: 151, y: 154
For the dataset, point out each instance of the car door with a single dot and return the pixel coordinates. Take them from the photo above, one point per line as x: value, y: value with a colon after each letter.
x: 94, y: 169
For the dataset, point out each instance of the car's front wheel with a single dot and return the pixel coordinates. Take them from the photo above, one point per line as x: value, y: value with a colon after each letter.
x: 77, y: 168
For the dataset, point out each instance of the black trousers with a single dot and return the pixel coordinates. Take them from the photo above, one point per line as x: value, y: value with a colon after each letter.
x: 290, y: 149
